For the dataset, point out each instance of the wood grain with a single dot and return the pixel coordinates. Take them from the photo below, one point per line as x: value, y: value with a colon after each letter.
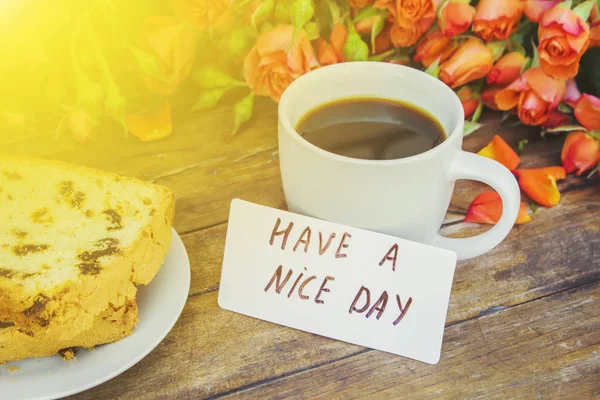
x: 523, y: 319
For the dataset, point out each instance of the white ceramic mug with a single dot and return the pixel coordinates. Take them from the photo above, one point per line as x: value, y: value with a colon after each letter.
x: 406, y: 197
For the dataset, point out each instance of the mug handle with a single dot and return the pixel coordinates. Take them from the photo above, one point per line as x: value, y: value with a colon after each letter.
x: 473, y: 167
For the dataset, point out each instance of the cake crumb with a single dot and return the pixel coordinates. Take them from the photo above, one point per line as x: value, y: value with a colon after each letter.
x: 67, y: 354
x: 12, y: 368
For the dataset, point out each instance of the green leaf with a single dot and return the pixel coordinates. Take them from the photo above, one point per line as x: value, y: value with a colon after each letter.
x: 367, y: 12
x: 535, y: 63
x: 302, y: 12
x: 312, y: 30
x: 584, y: 9
x: 593, y: 172
x: 376, y: 30
x: 387, y: 54
x: 522, y: 144
x: 564, y: 108
x: 147, y: 63
x: 243, y: 112
x: 263, y: 12
x: 236, y: 42
x: 355, y: 48
x: 513, y: 45
x: 526, y: 29
x: 266, y: 27
x: 209, y: 99
x: 497, y: 47
x: 282, y: 12
x: 526, y: 65
x: 471, y: 127
x: 210, y: 77
x: 336, y: 13
x: 534, y: 207
x: 478, y: 111
x: 324, y: 19
x: 434, y: 68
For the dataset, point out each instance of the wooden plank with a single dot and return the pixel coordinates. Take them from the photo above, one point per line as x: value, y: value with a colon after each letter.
x: 548, y: 348
x: 212, y: 351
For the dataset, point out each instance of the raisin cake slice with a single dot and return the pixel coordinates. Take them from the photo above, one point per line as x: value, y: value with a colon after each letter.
x: 74, y: 243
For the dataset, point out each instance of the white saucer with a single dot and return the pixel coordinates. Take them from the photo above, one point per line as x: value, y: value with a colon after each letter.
x: 160, y: 305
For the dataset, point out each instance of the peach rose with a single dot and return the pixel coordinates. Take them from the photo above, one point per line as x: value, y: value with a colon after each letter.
x: 507, y: 69
x: 587, y: 112
x: 433, y: 46
x: 203, y: 14
x: 275, y: 62
x: 174, y: 46
x: 535, y: 9
x: 497, y: 19
x: 456, y: 17
x: 332, y: 52
x: 563, y: 38
x: 471, y: 61
x: 535, y: 95
x: 410, y: 18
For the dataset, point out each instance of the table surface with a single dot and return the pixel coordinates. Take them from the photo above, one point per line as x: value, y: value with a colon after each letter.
x: 523, y: 321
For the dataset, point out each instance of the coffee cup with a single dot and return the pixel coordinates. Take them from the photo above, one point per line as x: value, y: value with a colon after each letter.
x: 406, y: 197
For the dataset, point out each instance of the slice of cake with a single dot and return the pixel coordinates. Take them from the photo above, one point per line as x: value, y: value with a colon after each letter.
x: 74, y: 243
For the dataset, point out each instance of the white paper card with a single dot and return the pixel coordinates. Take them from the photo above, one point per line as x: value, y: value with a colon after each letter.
x: 349, y: 284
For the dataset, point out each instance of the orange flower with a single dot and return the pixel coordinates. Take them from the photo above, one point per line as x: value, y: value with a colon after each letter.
x: 433, y: 46
x: 469, y: 100
x: 540, y: 184
x: 587, y: 112
x: 151, y: 126
x: 581, y: 152
x: 174, y: 47
x: 411, y: 19
x: 489, y: 96
x: 275, y: 62
x: 487, y: 209
x: 563, y: 38
x: 383, y: 41
x: 507, y: 69
x: 471, y: 61
x: 333, y: 52
x: 536, y: 95
x: 497, y: 19
x: 456, y: 17
x: 500, y: 151
x: 360, y: 3
x: 203, y: 14
x: 535, y: 9
x: 556, y: 119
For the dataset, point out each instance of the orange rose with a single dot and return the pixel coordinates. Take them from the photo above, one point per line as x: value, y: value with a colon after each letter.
x: 471, y: 61
x: 507, y: 69
x: 581, y: 152
x: 535, y: 94
x: 410, y: 19
x: 275, y: 62
x: 469, y: 100
x: 587, y: 112
x: 333, y: 52
x: 433, y: 46
x: 203, y: 14
x: 489, y: 96
x: 563, y: 38
x: 360, y: 3
x: 383, y: 41
x: 174, y: 47
x: 497, y: 19
x: 405, y: 32
x: 456, y: 17
x: 535, y: 9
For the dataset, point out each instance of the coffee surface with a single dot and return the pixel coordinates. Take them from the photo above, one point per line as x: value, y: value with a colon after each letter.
x: 371, y: 129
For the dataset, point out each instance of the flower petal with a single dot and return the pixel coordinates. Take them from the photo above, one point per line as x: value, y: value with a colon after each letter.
x: 540, y: 184
x: 151, y: 126
x: 580, y: 153
x: 500, y: 151
x: 487, y: 209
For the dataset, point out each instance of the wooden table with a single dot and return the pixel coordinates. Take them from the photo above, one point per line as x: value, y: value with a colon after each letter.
x: 524, y: 319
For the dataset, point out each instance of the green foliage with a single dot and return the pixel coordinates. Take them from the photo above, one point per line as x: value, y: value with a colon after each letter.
x: 243, y: 112
x: 588, y: 78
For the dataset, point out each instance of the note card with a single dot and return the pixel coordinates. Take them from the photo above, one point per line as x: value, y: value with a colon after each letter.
x: 348, y: 284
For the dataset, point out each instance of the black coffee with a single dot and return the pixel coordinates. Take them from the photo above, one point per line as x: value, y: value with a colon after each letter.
x: 371, y: 129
